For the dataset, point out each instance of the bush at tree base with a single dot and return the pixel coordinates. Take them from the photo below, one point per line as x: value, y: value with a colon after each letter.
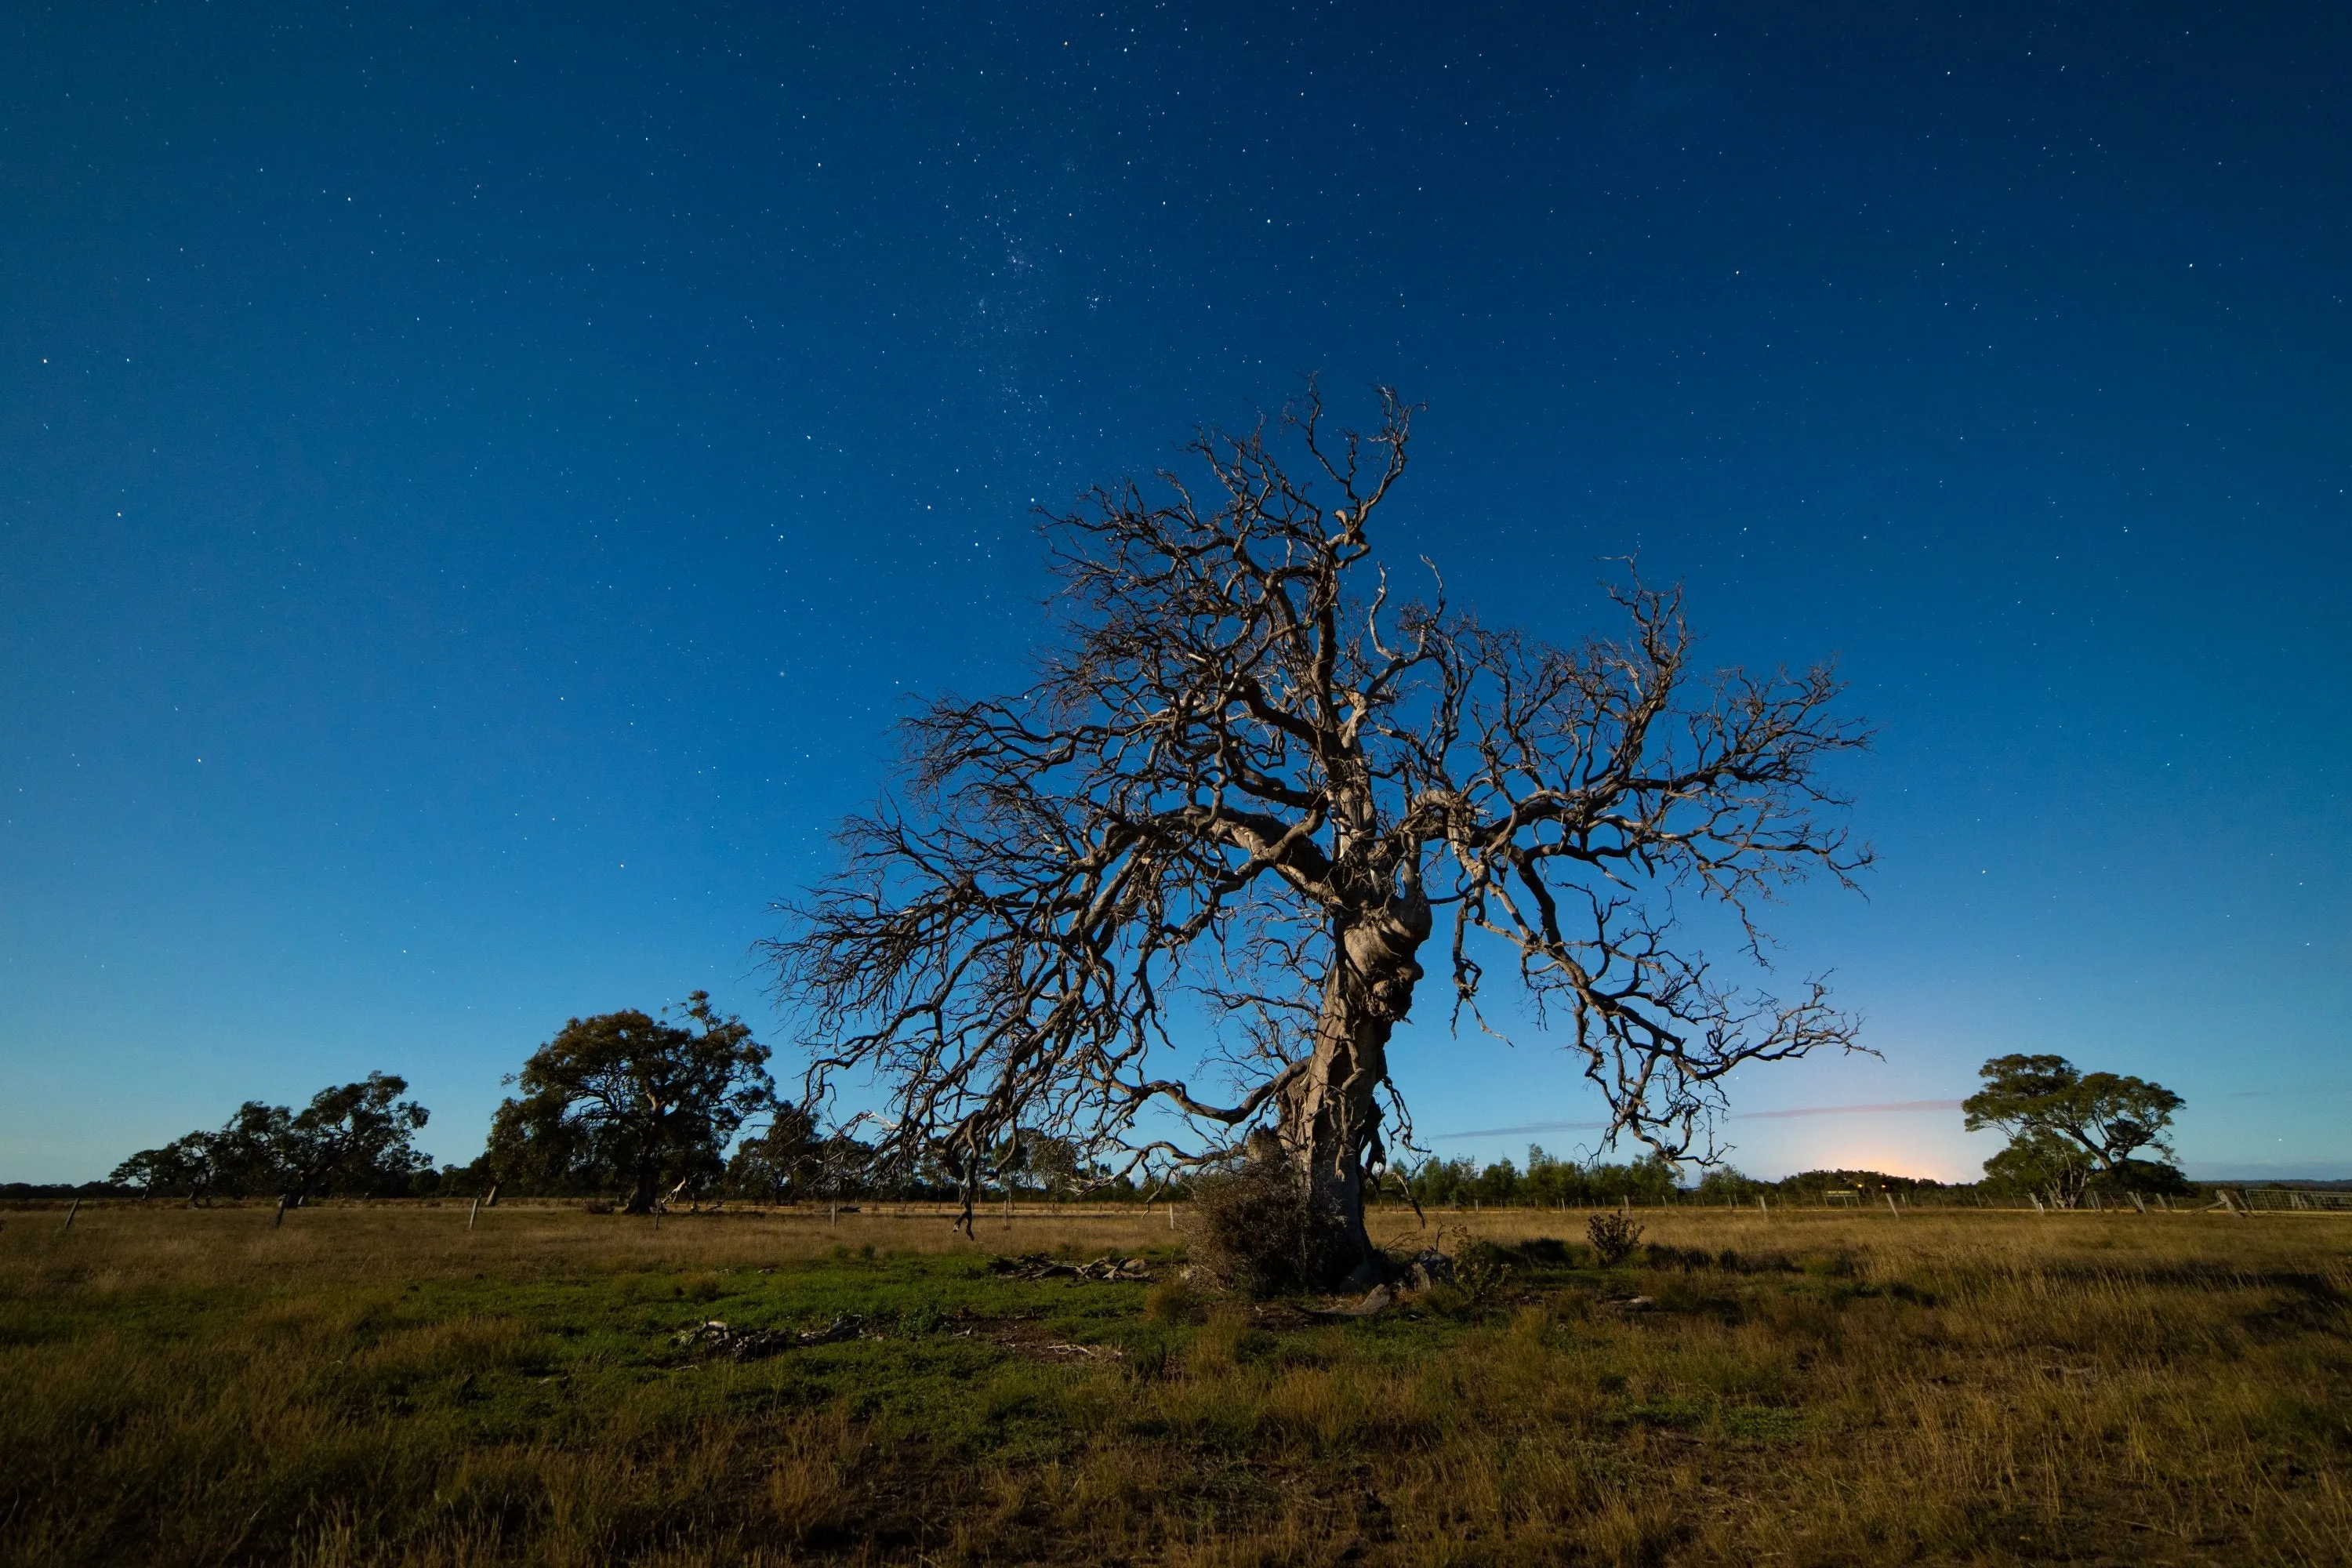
x: 1257, y: 1229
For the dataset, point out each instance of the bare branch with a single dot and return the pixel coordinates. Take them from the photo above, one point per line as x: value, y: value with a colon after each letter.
x: 1238, y: 792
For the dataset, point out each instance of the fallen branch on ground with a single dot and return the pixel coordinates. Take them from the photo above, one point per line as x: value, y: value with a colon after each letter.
x: 1037, y: 1266
x: 717, y: 1339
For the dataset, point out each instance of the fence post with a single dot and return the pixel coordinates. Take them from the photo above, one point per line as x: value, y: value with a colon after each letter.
x: 281, y: 1210
x: 476, y: 1213
x: 72, y: 1211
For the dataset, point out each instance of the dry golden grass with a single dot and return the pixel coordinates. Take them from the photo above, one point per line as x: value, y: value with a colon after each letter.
x: 378, y: 1385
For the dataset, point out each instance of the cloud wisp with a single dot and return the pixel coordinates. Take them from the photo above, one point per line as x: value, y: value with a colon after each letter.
x: 1899, y: 1105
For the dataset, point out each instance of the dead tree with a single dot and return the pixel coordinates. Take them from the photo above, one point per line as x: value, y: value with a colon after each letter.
x: 1247, y: 789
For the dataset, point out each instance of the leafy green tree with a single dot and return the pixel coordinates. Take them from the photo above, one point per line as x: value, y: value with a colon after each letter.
x: 2067, y: 1128
x: 643, y: 1103
x: 1724, y: 1184
x: 248, y: 1154
x: 2043, y: 1163
x: 1051, y: 1162
x: 531, y: 1150
x: 356, y: 1138
x: 184, y: 1166
x: 1497, y: 1184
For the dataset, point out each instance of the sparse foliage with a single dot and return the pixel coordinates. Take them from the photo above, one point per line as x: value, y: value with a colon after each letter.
x: 1480, y: 1272
x: 1613, y: 1237
x: 1246, y: 789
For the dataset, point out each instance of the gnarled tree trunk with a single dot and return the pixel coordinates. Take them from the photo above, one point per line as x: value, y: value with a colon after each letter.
x: 1329, y: 1118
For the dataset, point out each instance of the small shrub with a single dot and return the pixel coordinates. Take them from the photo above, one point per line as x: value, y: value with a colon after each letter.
x: 1259, y: 1231
x: 1613, y: 1237
x: 1480, y: 1272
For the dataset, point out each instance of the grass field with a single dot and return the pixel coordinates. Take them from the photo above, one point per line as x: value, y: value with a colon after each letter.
x: 378, y: 1385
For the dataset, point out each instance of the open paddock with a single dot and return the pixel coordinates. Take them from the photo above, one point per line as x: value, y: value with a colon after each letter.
x: 382, y: 1384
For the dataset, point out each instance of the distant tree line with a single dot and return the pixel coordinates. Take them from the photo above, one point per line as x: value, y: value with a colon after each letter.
x: 650, y: 1111
x: 1548, y: 1182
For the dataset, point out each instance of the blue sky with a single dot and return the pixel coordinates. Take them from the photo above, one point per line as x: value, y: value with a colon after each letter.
x: 476, y: 487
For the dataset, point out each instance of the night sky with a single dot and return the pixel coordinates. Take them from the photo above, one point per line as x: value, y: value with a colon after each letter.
x: 475, y: 488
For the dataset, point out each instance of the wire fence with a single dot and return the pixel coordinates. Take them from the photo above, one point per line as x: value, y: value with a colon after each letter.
x: 2320, y: 1200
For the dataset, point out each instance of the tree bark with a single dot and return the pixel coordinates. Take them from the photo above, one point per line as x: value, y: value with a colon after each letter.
x: 1330, y: 1119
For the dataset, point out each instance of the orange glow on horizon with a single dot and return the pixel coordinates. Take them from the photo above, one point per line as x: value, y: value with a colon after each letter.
x: 1913, y: 1162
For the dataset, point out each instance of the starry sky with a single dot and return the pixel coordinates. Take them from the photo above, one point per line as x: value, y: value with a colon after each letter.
x: 476, y: 485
